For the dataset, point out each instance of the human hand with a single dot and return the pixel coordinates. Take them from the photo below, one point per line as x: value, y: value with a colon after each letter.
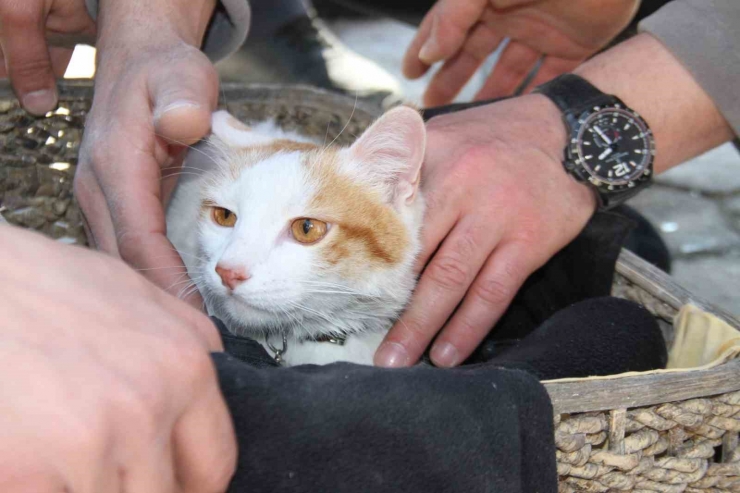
x: 462, y: 33
x: 107, y: 381
x: 154, y: 94
x: 36, y: 39
x: 499, y: 205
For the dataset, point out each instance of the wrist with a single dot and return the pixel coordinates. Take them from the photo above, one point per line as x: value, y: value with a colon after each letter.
x: 135, y: 23
x: 539, y: 123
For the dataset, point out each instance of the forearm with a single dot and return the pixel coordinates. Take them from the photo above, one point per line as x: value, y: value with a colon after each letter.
x: 227, y: 25
x: 649, y: 79
x: 138, y: 21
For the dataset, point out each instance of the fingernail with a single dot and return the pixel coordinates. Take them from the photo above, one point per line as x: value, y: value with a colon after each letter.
x: 391, y: 355
x: 429, y: 52
x: 158, y: 112
x: 445, y: 354
x: 40, y: 102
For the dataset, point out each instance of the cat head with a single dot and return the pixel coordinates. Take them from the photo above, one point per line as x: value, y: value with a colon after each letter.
x: 305, y: 239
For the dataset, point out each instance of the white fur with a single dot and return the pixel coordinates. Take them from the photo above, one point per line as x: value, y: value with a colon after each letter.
x: 292, y: 290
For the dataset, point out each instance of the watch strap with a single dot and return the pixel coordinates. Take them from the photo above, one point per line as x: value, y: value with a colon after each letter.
x: 613, y: 199
x: 571, y: 93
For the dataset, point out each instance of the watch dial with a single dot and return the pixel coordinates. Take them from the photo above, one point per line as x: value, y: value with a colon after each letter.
x: 614, y: 146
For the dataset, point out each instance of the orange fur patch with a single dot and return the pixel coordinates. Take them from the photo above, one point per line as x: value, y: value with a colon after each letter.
x: 248, y: 156
x: 206, y: 206
x: 368, y: 232
x: 236, y: 124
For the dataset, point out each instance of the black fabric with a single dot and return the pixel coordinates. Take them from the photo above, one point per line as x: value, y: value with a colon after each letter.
x: 355, y: 429
x: 484, y: 427
x: 596, y: 337
x: 583, y: 269
x: 245, y: 349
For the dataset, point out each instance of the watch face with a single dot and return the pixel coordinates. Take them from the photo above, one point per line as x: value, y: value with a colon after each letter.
x: 614, y: 146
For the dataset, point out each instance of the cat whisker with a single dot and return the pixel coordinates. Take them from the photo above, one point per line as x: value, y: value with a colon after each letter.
x: 340, y: 287
x: 221, y: 151
x: 180, y: 293
x: 181, y: 167
x: 181, y: 143
x: 345, y: 125
x: 223, y: 94
x: 189, y: 289
x: 165, y: 267
x: 309, y: 310
x: 347, y: 292
x: 177, y: 283
x: 326, y: 135
x: 187, y: 294
x: 196, y: 257
x: 179, y: 174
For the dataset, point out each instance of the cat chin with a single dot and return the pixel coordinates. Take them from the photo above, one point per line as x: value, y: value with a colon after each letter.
x: 244, y: 319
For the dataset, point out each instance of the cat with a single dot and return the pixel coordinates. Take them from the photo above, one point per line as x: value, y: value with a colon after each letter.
x: 307, y: 248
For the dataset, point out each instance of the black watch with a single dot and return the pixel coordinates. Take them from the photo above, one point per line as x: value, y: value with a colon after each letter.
x: 609, y: 145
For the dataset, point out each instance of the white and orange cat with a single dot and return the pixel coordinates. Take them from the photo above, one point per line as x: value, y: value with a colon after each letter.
x: 307, y: 248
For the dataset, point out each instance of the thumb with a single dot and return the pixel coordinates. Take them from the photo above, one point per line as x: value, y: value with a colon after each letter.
x: 27, y: 56
x: 184, y: 93
x: 450, y: 26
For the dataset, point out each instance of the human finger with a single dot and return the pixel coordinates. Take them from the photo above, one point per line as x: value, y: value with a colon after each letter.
x: 94, y: 207
x: 451, y: 22
x: 193, y: 318
x: 26, y: 54
x: 437, y: 205
x: 60, y: 58
x: 458, y: 70
x: 412, y: 67
x: 149, y: 463
x: 512, y: 67
x: 486, y: 300
x: 183, y: 98
x: 133, y: 196
x: 183, y: 95
x: 441, y: 287
x: 552, y: 67
x: 204, y: 444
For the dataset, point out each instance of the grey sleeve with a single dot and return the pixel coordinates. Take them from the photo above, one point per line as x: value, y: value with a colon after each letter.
x: 226, y: 32
x: 705, y: 36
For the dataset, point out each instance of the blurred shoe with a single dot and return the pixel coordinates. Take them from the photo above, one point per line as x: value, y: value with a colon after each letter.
x: 304, y: 51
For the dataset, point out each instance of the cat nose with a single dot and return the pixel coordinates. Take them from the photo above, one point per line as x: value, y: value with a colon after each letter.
x: 231, y: 278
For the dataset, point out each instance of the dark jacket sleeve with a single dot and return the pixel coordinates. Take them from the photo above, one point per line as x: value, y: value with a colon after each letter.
x: 227, y: 30
x: 705, y: 36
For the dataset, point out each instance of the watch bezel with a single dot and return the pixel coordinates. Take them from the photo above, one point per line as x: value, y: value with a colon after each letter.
x: 576, y: 164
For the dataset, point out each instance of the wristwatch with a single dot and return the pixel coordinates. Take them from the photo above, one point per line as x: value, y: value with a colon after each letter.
x: 610, y: 147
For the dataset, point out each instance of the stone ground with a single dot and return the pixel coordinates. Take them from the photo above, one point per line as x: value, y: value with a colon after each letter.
x: 696, y: 206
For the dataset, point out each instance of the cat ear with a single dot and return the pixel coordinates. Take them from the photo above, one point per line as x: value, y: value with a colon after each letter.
x: 391, y: 152
x: 234, y: 133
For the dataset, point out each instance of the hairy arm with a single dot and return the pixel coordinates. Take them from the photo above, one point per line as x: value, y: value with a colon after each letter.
x: 646, y: 76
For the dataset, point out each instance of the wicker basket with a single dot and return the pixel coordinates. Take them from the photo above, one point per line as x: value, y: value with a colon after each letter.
x: 669, y: 432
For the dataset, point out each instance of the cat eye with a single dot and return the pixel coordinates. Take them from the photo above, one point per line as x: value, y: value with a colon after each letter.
x: 308, y: 231
x: 224, y: 217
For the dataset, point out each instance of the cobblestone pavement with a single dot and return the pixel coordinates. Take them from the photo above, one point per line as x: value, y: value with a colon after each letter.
x: 696, y: 206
